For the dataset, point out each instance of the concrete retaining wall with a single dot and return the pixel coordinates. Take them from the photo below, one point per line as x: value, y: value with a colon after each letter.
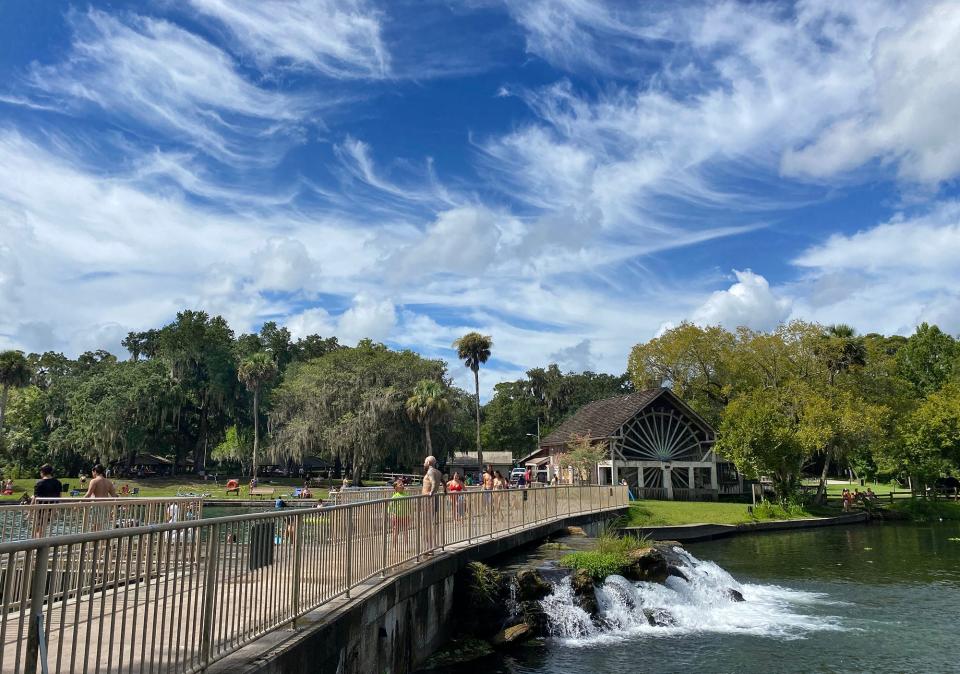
x: 703, y: 532
x: 388, y: 627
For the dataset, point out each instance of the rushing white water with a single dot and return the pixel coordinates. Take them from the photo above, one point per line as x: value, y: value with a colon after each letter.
x: 701, y: 604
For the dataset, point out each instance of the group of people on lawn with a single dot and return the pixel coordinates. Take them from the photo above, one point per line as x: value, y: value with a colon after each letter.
x: 849, y: 498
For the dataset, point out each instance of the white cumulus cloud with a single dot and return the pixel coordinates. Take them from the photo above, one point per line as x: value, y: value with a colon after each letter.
x: 749, y: 302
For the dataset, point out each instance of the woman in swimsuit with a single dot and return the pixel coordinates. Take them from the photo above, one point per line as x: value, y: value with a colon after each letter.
x: 454, y: 488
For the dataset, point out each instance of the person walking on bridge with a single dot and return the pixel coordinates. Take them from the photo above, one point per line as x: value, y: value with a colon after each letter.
x: 100, y: 486
x: 432, y: 485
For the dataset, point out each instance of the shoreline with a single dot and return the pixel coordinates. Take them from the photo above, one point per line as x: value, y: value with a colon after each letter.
x: 704, y: 532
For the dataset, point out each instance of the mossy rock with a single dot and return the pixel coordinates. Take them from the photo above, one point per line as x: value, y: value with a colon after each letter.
x: 458, y: 651
x: 485, y: 591
x: 584, y: 592
x: 647, y: 564
x: 531, y: 586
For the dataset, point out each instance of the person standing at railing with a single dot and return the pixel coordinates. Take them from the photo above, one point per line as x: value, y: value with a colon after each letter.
x: 432, y: 486
x: 455, y: 489
x: 499, y: 484
x: 47, y: 486
x: 100, y: 486
x: 400, y: 513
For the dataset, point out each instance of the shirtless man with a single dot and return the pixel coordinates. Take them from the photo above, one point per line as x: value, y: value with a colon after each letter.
x: 100, y: 487
x: 488, y: 488
x: 432, y: 485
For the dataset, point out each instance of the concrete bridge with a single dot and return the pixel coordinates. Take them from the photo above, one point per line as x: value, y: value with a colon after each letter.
x: 365, y: 587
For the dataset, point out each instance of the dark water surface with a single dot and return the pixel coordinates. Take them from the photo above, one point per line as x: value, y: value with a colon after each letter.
x: 870, y: 598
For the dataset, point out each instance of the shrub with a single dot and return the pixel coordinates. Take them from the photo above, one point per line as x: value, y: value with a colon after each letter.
x: 922, y: 510
x: 765, y: 510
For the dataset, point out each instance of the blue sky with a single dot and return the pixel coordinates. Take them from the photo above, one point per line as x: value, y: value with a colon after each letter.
x: 569, y: 176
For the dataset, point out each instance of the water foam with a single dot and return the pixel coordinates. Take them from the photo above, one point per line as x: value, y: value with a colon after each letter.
x: 701, y: 604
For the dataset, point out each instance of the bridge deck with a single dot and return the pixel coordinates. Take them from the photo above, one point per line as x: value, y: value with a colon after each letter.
x: 155, y: 604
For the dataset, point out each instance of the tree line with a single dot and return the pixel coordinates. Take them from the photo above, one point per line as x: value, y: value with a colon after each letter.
x: 801, y: 398
x: 807, y: 397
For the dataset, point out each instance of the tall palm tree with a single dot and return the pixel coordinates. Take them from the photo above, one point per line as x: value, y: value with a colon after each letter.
x: 845, y: 351
x: 427, y: 406
x: 14, y: 373
x: 255, y: 372
x: 474, y: 350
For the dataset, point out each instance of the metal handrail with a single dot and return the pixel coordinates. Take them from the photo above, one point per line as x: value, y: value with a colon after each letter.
x: 54, y: 516
x: 180, y: 595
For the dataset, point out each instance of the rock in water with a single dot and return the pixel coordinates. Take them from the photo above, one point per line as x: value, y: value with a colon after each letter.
x: 486, y: 591
x: 674, y: 571
x: 534, y: 617
x: 576, y: 531
x: 531, y: 586
x: 583, y: 590
x: 647, y: 564
x: 513, y: 635
x: 735, y: 595
x: 659, y: 617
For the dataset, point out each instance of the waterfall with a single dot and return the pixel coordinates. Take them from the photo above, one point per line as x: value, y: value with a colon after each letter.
x: 702, y: 603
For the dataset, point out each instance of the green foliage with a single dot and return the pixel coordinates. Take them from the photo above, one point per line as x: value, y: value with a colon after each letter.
x: 547, y: 394
x: 427, y: 405
x: 474, y: 350
x: 485, y: 583
x: 923, y: 510
x: 597, y: 564
x: 611, y: 556
x: 351, y: 403
x: 931, y: 437
x: 765, y: 510
x: 761, y: 433
x: 14, y: 374
x: 927, y: 359
x: 697, y: 363
x: 583, y: 454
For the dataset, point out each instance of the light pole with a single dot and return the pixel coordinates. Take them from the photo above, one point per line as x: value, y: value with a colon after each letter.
x: 537, y: 436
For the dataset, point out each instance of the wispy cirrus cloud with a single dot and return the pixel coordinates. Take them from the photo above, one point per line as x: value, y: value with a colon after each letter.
x: 338, y: 38
x: 166, y: 84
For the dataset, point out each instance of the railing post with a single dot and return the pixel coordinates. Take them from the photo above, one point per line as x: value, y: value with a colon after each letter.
x: 508, y: 510
x: 493, y: 501
x: 209, y: 590
x: 349, y: 511
x: 36, y: 649
x: 523, y: 509
x: 442, y: 507
x: 297, y: 562
x: 472, y: 509
x: 419, y: 541
x: 386, y: 535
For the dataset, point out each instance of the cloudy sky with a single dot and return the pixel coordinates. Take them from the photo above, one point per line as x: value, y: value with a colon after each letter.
x: 569, y: 176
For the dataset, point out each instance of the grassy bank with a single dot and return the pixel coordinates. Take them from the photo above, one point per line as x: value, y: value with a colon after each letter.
x: 920, y: 510
x: 669, y: 513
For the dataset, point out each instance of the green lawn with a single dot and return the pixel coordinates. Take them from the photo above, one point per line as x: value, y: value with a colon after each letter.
x: 666, y: 513
x: 879, y: 488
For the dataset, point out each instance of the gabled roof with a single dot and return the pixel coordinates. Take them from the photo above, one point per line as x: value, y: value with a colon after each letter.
x: 602, y: 419
x: 496, y: 457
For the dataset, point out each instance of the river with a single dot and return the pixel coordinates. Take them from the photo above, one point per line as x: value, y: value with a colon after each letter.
x: 869, y: 598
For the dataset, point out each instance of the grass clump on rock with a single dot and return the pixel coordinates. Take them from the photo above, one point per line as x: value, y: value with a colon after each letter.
x: 613, y: 555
